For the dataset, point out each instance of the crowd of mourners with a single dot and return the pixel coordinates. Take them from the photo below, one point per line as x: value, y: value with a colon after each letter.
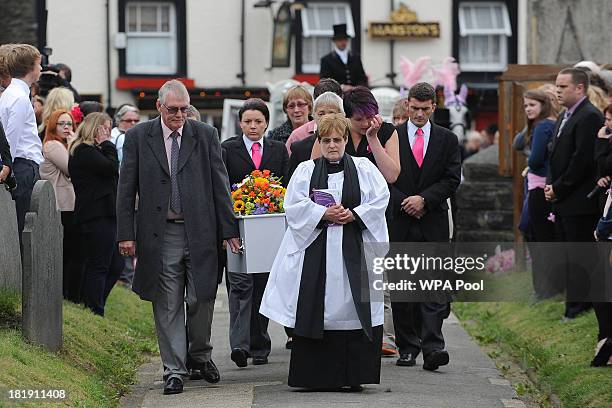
x: 132, y: 211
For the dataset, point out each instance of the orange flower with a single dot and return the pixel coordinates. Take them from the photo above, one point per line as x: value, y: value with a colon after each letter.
x: 252, y: 194
x: 266, y: 173
x: 271, y: 208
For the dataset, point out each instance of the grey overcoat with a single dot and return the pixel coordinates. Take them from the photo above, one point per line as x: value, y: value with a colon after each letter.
x: 205, y: 200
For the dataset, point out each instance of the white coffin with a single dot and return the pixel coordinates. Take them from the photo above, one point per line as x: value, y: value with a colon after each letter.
x: 261, y: 236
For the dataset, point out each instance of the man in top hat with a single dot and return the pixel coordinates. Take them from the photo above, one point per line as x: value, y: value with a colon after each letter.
x: 341, y: 64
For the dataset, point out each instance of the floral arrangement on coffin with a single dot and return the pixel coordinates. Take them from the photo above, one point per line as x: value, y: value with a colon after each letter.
x: 259, y: 193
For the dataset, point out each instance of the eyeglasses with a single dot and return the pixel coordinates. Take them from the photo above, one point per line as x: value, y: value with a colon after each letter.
x: 297, y: 105
x: 63, y: 124
x: 134, y: 120
x: 174, y: 109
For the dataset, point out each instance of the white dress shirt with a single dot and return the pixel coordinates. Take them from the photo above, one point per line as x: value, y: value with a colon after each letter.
x: 117, y: 137
x: 343, y: 54
x: 19, y: 121
x: 412, y: 128
x: 249, y: 145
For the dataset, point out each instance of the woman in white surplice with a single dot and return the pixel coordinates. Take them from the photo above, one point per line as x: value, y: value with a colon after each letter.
x: 316, y: 285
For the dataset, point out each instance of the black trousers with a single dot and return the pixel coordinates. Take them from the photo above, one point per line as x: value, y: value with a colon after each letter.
x: 603, y: 312
x: 248, y: 328
x: 26, y: 174
x: 103, y: 264
x: 547, y: 281
x: 418, y: 326
x: 578, y: 228
x: 74, y: 258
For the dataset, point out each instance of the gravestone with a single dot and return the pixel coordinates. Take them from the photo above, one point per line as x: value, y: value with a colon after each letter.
x: 42, y: 269
x: 10, y: 257
x: 484, y: 200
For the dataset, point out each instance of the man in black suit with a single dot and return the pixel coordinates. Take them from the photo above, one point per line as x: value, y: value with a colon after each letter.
x: 243, y: 154
x: 572, y: 174
x: 341, y: 64
x: 430, y: 173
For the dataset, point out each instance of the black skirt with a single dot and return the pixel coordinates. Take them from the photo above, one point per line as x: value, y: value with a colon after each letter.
x: 341, y: 358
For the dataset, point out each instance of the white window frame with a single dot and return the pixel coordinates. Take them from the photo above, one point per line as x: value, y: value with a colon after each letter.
x: 171, y: 34
x: 308, y: 32
x: 500, y: 34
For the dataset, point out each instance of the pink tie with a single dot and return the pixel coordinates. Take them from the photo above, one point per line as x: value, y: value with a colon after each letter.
x: 417, y: 147
x: 256, y: 154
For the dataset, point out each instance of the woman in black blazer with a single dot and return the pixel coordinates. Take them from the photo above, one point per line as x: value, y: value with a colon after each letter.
x: 243, y: 154
x: 94, y: 169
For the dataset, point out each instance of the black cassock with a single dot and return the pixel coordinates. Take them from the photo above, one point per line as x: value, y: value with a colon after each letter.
x: 351, y: 73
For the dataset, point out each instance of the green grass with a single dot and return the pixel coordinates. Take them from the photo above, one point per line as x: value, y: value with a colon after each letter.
x: 534, y: 335
x: 99, y: 358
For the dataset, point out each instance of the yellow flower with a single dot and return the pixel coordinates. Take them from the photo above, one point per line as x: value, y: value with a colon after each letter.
x: 239, y: 206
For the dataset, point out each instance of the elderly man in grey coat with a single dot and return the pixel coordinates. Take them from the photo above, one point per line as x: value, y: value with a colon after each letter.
x: 174, y: 165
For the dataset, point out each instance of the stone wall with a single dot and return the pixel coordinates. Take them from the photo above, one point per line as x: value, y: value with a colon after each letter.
x: 18, y: 22
x: 568, y: 31
x: 484, y: 200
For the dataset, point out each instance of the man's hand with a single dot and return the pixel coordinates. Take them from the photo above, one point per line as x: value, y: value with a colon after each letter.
x: 604, y: 182
x: 235, y: 245
x: 414, y: 206
x: 4, y: 173
x: 549, y: 193
x: 127, y: 248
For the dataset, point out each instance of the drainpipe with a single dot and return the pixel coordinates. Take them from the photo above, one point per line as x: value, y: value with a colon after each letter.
x: 108, y: 59
x: 391, y: 75
x: 242, y: 74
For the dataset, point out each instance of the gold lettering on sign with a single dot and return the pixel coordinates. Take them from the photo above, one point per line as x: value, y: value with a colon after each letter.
x: 404, y: 25
x: 404, y: 30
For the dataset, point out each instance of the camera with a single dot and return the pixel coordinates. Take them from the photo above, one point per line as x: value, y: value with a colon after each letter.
x: 49, y: 79
x: 608, y: 131
x: 10, y: 183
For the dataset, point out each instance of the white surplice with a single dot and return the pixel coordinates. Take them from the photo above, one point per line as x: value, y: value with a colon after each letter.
x: 281, y: 295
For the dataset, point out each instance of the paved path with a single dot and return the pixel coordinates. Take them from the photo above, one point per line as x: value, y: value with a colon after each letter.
x: 470, y: 380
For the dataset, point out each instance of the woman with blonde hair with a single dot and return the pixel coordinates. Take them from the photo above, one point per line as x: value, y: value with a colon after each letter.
x: 60, y: 132
x: 58, y: 98
x: 94, y: 169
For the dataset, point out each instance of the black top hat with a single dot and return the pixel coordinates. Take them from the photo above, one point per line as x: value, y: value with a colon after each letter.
x: 340, y: 32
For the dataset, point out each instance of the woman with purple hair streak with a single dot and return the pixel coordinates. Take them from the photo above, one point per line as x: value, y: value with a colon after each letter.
x: 370, y: 136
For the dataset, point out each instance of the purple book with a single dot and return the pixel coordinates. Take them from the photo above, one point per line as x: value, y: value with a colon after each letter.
x: 326, y: 198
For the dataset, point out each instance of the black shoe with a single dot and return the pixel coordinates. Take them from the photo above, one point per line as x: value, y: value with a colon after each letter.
x: 207, y: 371
x: 239, y: 356
x: 435, y: 359
x: 260, y: 360
x: 406, y: 360
x: 174, y: 385
x: 603, y: 355
x: 289, y: 343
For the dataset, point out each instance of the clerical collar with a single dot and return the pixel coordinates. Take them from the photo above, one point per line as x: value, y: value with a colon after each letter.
x: 334, y: 166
